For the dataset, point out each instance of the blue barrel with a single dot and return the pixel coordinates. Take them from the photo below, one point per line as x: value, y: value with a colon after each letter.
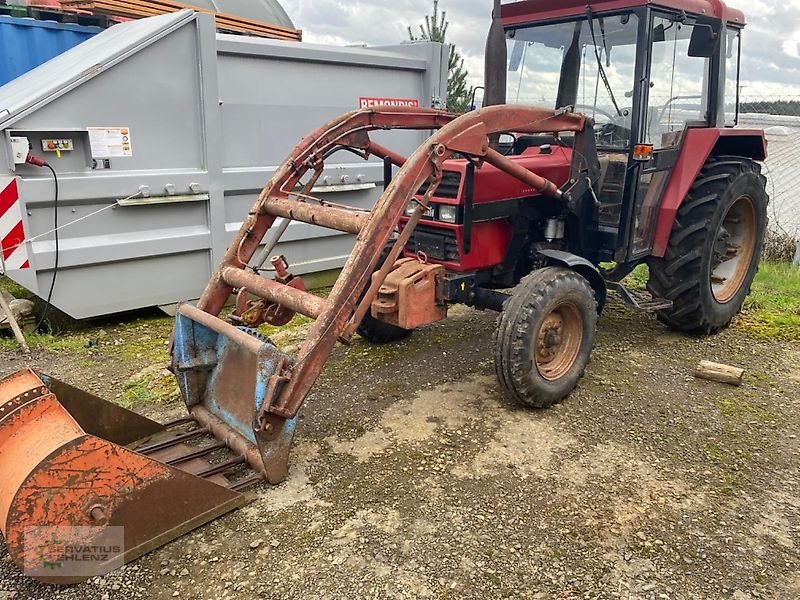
x: 27, y: 43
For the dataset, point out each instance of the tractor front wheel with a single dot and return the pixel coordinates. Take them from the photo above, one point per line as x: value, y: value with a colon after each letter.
x: 545, y: 337
x: 714, y: 248
x: 378, y: 332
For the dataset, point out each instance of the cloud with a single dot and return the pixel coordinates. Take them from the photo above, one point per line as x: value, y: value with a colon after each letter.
x: 771, y: 43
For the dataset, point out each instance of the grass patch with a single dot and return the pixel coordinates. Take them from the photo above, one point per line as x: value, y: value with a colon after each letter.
x: 136, y: 392
x: 155, y: 388
x: 149, y: 348
x: 772, y: 311
x: 49, y: 343
x: 14, y: 289
x: 637, y: 280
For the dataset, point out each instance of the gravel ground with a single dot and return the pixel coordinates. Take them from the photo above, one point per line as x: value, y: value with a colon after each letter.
x: 412, y: 478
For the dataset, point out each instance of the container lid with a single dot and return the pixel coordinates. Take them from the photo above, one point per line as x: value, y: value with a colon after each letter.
x: 63, y: 73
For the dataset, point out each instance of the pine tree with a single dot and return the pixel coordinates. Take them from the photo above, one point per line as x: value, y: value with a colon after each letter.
x: 435, y: 30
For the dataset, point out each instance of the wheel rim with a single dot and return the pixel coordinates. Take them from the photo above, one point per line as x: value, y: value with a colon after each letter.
x: 559, y: 341
x: 733, y: 250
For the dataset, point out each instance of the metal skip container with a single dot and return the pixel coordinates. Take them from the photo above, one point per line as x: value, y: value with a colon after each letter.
x: 161, y: 133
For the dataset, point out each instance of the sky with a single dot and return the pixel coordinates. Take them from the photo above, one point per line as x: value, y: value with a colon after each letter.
x: 771, y: 43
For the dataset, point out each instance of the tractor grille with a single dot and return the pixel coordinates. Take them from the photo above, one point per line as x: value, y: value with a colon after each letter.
x: 438, y: 244
x: 448, y: 188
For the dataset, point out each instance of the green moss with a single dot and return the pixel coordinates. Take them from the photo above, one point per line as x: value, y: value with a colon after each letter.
x: 714, y: 452
x: 742, y: 410
x: 733, y: 480
x: 149, y: 349
x: 731, y: 477
x: 307, y: 538
x: 298, y: 321
x: 350, y: 428
x: 766, y: 325
x: 753, y: 376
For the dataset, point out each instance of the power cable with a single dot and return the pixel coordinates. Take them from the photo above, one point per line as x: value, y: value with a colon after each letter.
x: 48, y: 302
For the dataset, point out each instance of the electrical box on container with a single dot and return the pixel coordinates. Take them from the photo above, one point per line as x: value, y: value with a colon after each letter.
x: 19, y: 149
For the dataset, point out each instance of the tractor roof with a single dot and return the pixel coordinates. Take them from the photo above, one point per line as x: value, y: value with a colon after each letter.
x: 525, y: 11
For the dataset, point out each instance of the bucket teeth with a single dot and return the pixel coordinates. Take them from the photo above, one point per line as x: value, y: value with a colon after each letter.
x: 62, y: 486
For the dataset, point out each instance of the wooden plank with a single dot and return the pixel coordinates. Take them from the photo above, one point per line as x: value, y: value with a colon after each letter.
x: 145, y: 8
x: 224, y: 20
x: 719, y: 373
x: 12, y: 320
x: 170, y: 4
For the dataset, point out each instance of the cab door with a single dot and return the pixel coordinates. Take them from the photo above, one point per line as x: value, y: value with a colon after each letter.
x: 677, y: 93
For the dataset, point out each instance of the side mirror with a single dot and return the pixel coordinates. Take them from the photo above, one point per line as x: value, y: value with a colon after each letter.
x: 705, y: 39
x: 659, y: 34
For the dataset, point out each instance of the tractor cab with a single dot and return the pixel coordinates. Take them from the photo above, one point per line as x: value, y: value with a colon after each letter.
x: 644, y: 75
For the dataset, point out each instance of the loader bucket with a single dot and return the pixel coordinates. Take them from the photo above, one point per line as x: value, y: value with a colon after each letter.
x: 226, y: 374
x: 77, y: 472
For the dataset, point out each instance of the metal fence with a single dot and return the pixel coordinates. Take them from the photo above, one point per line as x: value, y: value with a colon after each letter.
x: 779, y: 116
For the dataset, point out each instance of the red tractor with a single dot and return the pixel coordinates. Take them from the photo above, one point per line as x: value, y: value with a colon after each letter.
x: 659, y: 176
x: 632, y: 158
x: 607, y: 141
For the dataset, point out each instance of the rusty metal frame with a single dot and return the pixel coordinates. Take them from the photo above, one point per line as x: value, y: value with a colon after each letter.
x: 338, y: 317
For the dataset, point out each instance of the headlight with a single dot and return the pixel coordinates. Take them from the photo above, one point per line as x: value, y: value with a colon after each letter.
x: 447, y: 213
x: 428, y: 215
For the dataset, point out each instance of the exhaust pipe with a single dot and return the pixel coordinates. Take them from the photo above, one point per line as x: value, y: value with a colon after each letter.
x: 496, y: 61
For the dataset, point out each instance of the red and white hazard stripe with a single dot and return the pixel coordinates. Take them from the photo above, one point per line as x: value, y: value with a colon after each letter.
x: 12, y: 230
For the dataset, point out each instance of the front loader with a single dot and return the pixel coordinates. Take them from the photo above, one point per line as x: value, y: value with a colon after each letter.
x: 535, y: 213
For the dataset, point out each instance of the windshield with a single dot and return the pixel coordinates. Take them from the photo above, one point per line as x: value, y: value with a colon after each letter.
x: 586, y: 64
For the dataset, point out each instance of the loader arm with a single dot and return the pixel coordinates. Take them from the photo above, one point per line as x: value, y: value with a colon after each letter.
x: 338, y: 316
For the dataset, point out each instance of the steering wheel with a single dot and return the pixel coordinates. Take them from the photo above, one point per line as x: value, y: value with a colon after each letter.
x: 613, y: 130
x: 667, y: 104
x: 598, y: 110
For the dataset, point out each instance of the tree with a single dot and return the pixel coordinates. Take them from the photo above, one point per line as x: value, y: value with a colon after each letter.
x: 435, y: 30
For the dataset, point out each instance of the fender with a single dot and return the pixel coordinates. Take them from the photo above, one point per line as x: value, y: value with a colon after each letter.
x: 584, y: 268
x: 698, y: 145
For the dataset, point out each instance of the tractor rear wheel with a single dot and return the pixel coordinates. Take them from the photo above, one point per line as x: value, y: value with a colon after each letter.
x: 714, y: 248
x: 545, y: 337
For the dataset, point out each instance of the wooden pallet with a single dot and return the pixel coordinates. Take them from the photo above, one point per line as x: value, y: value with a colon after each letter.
x: 43, y: 14
x: 137, y: 9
